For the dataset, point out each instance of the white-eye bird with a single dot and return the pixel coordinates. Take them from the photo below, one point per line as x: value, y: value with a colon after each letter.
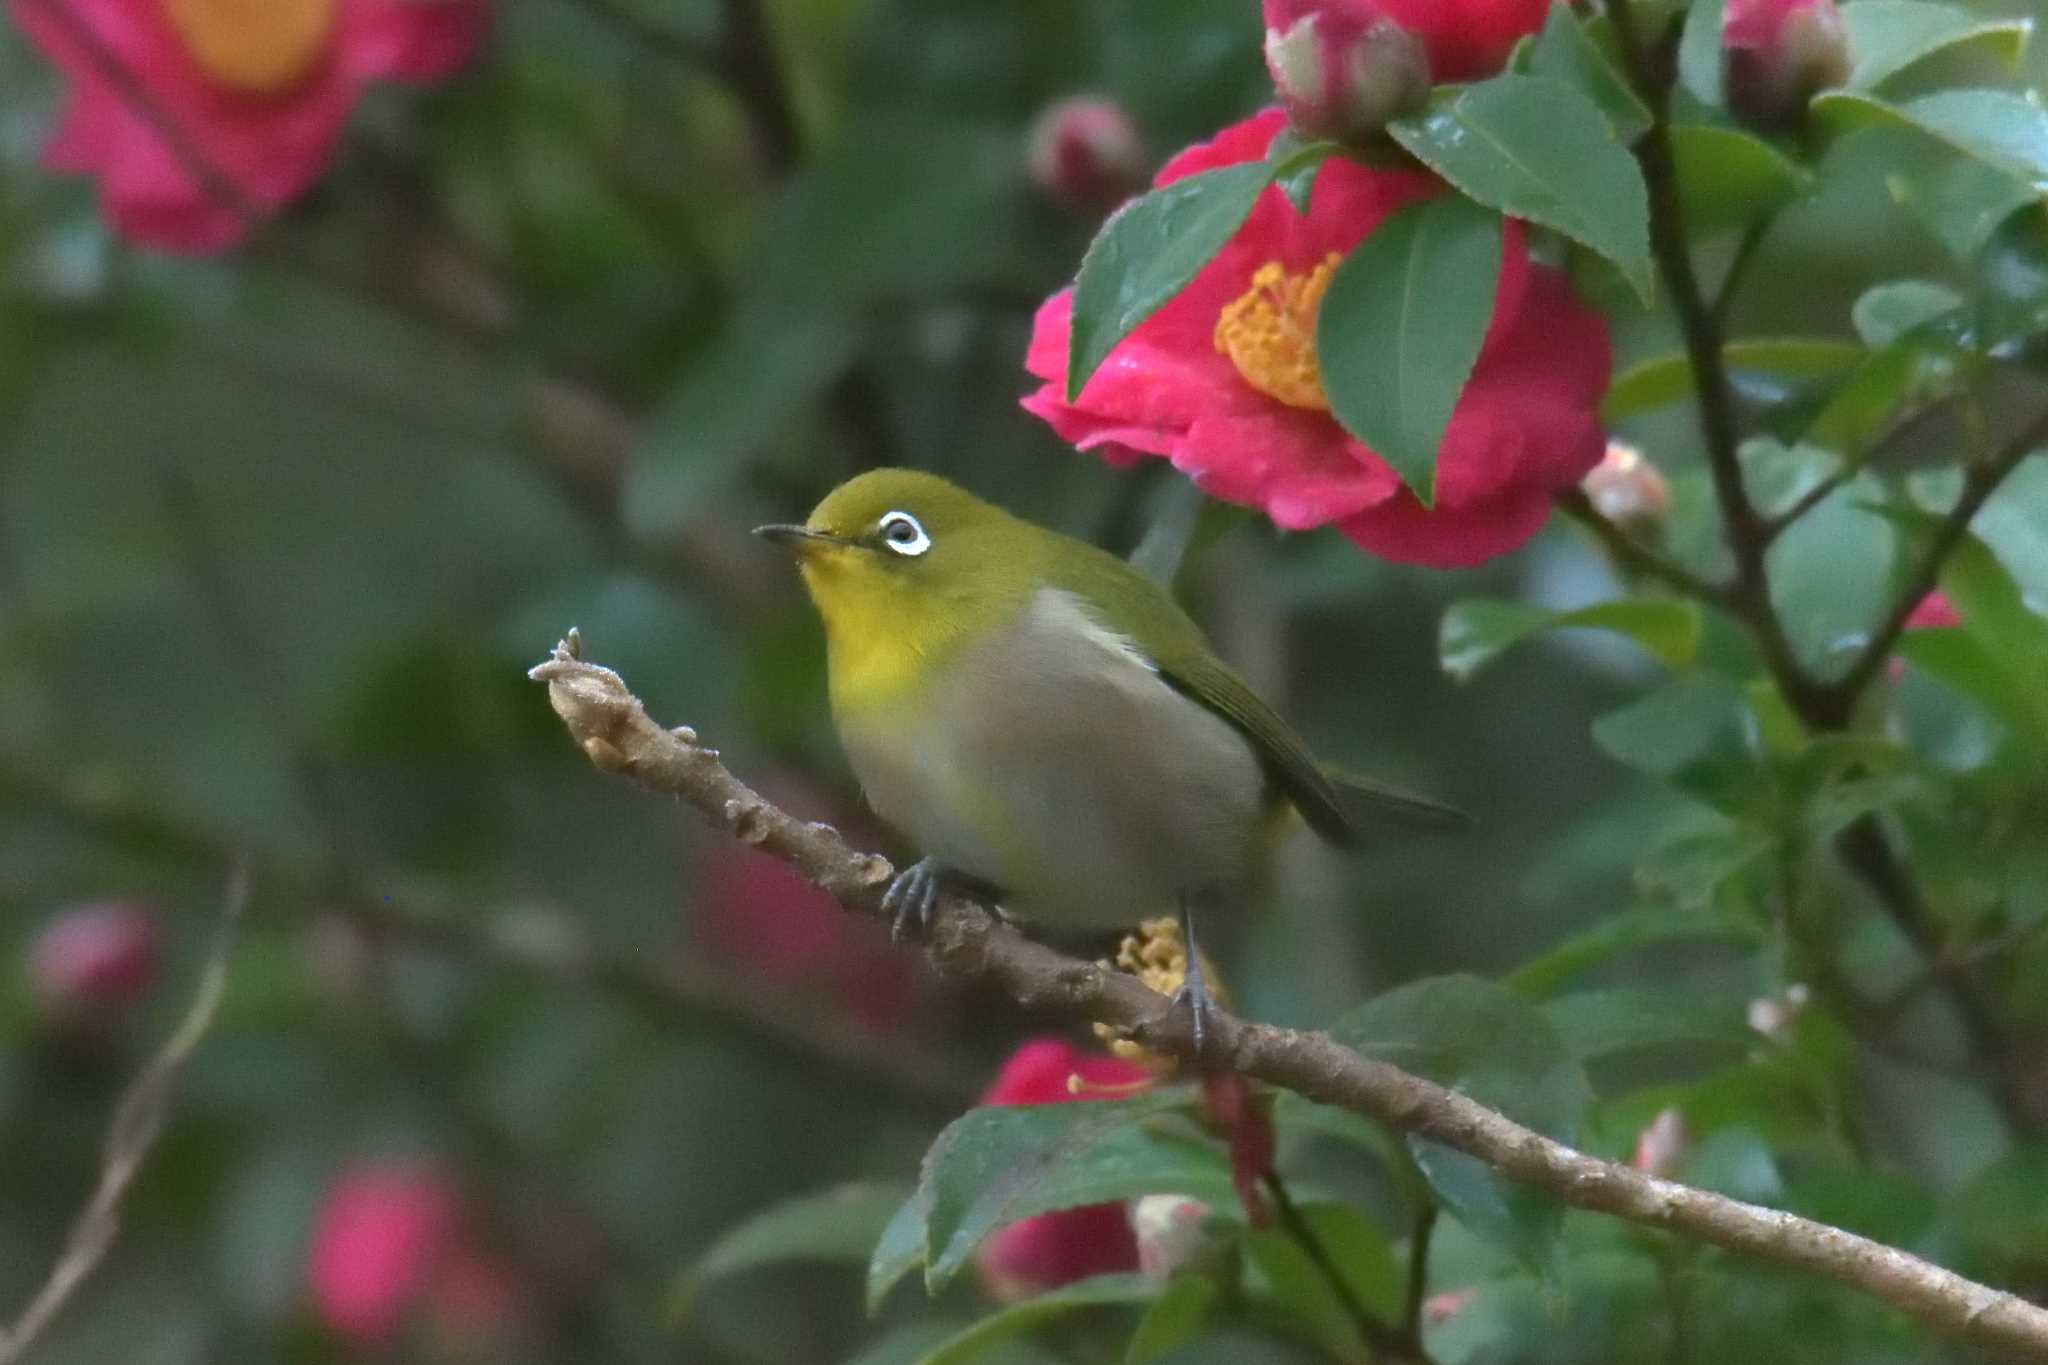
x: 1046, y: 723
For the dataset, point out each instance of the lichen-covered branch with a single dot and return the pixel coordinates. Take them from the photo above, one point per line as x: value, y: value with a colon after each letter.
x: 613, y: 729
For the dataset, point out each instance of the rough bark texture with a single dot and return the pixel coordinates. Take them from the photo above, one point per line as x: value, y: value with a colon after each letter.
x: 968, y: 941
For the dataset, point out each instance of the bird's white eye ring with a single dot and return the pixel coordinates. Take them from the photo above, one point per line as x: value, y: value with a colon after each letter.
x: 900, y: 532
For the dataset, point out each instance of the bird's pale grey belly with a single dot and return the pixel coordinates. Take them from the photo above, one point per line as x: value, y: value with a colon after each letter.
x: 1055, y: 763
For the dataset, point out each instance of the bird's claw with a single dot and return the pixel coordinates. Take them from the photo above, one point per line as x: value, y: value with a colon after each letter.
x: 1194, y: 997
x: 911, y: 898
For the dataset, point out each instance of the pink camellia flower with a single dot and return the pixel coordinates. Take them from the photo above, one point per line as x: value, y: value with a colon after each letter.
x: 94, y: 959
x: 1342, y: 69
x: 1777, y: 53
x: 1662, y: 1144
x: 762, y: 916
x: 1223, y: 380
x: 1933, y: 612
x: 224, y: 109
x: 1035, y: 1254
x: 1087, y: 151
x: 381, y: 1237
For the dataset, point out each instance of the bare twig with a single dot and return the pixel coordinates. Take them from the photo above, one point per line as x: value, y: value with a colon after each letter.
x: 1387, y: 1342
x: 138, y: 1119
x: 1636, y: 557
x: 969, y: 941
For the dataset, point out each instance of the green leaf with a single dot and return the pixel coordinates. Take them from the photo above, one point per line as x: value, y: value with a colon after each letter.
x: 1888, y: 383
x: 839, y: 1224
x: 1019, y: 1318
x: 1699, y: 54
x: 1401, y: 325
x: 1538, y: 149
x: 745, y: 393
x: 1495, y: 1046
x: 1694, y: 731
x: 1962, y: 201
x: 1147, y: 252
x: 999, y: 1163
x: 1284, y: 1276
x: 1175, y: 1318
x: 1477, y: 630
x: 1886, y: 312
x: 1649, y: 926
x: 1603, y: 1023
x: 898, y: 1250
x: 1184, y: 522
x: 1668, y: 378
x: 1999, y: 655
x: 1889, y: 36
x: 1293, y: 164
x: 1830, y: 574
x: 1564, y: 52
x: 1728, y: 178
x: 2004, y: 131
x: 1689, y: 867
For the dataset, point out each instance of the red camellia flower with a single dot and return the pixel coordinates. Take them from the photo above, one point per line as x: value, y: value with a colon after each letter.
x: 1223, y: 380
x: 1467, y: 40
x: 1776, y: 53
x: 94, y: 959
x: 224, y: 108
x: 1039, y: 1253
x: 1087, y: 151
x: 381, y: 1236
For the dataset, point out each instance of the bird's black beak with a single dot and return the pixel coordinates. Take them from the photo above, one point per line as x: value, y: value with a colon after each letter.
x: 783, y: 534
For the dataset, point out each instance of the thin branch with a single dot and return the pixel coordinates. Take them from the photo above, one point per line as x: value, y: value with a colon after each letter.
x: 1775, y: 525
x: 131, y: 1134
x: 1636, y: 557
x: 1838, y: 699
x: 968, y: 941
x: 1745, y: 255
x: 1418, y: 1268
x: 1386, y: 1342
x: 802, y: 1033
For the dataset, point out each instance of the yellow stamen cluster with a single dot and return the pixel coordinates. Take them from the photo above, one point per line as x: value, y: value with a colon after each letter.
x: 1158, y: 956
x: 254, y: 47
x: 1269, y: 333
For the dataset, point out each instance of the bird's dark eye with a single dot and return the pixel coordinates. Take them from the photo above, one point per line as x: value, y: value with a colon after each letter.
x: 900, y: 532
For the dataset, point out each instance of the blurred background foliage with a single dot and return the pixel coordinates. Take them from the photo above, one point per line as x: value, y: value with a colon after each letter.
x: 280, y: 532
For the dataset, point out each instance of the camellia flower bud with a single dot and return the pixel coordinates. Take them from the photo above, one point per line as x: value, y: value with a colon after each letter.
x: 92, y: 960
x: 1776, y: 53
x: 1343, y: 69
x: 1173, y: 1232
x: 1661, y: 1146
x: 1627, y: 489
x: 1774, y: 1015
x: 381, y: 1235
x: 1087, y: 151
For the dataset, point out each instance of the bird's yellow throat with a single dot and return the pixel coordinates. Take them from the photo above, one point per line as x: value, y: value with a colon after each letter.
x: 882, y: 634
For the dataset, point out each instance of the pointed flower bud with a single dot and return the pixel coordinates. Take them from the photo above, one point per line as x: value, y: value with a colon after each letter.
x: 93, y: 960
x: 1086, y: 151
x: 1776, y: 53
x: 1627, y: 489
x: 1343, y: 69
x: 1173, y: 1232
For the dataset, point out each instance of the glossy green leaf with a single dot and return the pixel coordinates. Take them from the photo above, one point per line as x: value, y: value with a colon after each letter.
x: 1830, y: 574
x: 1562, y: 51
x: 1147, y: 252
x: 1694, y: 731
x: 898, y: 1250
x: 1668, y: 378
x: 1495, y: 1046
x: 1019, y: 1318
x: 1886, y: 312
x: 1294, y: 164
x: 2000, y: 129
x: 1477, y: 630
x: 1538, y: 149
x: 1401, y: 325
x: 1962, y: 201
x: 1175, y: 1318
x: 1728, y: 178
x: 999, y: 1163
x: 1690, y: 867
x: 1886, y: 37
x: 839, y: 1224
x: 1999, y: 655
x: 1649, y: 926
x: 1624, y: 1019
x: 1699, y: 53
x: 1283, y: 1275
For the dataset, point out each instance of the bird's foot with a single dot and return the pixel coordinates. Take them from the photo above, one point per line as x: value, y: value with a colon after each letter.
x: 912, y: 897
x: 1193, y: 996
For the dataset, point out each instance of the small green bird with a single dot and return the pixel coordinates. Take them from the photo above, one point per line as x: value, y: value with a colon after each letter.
x: 1046, y: 723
